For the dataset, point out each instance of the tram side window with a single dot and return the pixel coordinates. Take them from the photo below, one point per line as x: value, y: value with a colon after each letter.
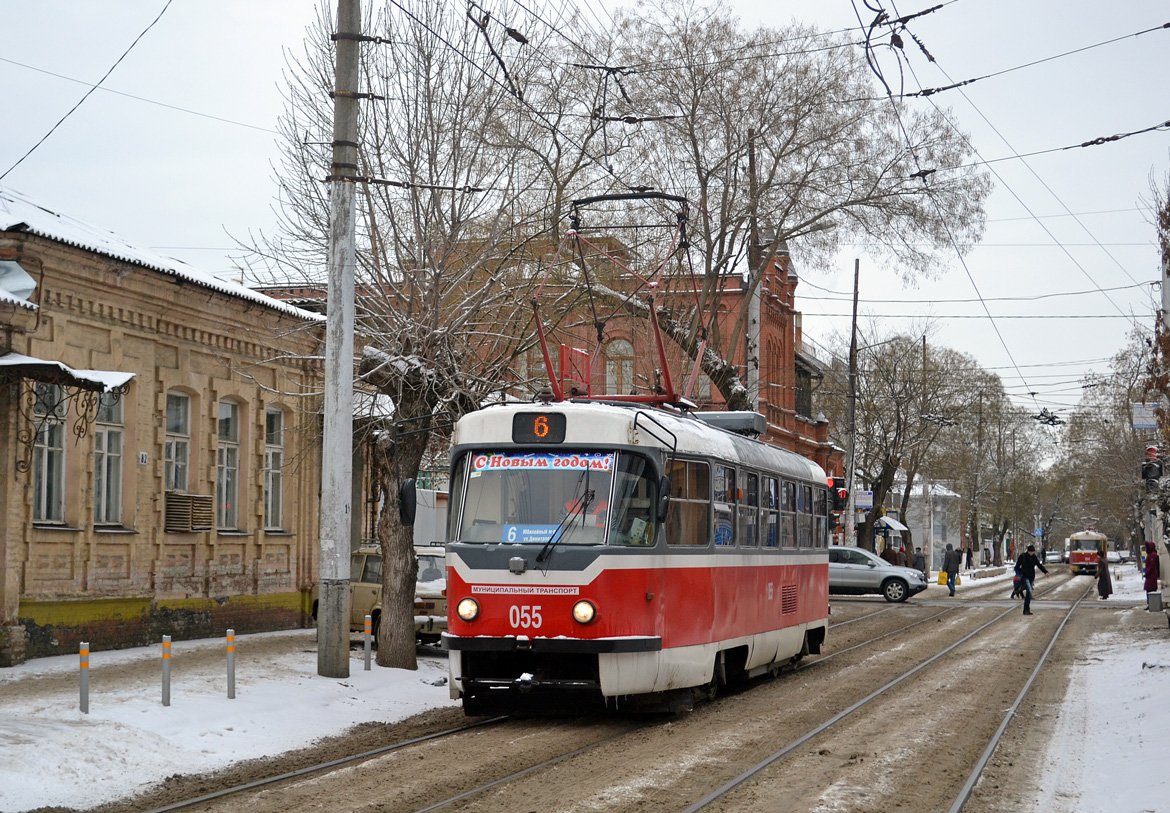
x: 820, y: 518
x: 689, y: 519
x: 748, y: 514
x: 726, y: 495
x: 804, y: 523
x: 788, y: 515
x: 635, y: 496
x: 771, y: 513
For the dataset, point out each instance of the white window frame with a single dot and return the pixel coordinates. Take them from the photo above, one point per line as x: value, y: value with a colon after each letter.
x: 273, y: 468
x: 619, y: 367
x: 107, y: 474
x: 227, y: 466
x: 49, y: 454
x: 178, y: 443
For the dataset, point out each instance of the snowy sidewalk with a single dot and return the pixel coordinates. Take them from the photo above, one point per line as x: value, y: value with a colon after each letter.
x: 52, y: 754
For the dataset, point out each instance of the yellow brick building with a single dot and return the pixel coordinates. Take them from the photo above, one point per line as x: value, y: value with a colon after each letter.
x: 159, y: 445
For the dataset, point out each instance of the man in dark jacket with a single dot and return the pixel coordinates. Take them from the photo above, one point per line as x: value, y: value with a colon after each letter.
x: 951, y: 560
x: 920, y: 562
x: 1026, y: 566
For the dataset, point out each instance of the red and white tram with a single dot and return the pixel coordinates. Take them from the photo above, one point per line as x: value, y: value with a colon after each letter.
x: 626, y: 556
x: 1082, y: 551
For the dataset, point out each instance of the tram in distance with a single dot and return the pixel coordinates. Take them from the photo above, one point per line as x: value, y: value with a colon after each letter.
x: 626, y: 557
x: 1082, y: 551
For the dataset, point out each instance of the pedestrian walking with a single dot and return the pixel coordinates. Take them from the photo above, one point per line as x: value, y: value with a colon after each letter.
x: 951, y: 560
x: 970, y: 557
x: 920, y: 562
x: 1017, y: 586
x: 1026, y: 566
x: 1104, y: 582
x: 1151, y: 585
x: 889, y: 554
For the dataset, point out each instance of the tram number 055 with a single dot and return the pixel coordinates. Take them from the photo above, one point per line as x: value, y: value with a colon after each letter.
x: 524, y: 616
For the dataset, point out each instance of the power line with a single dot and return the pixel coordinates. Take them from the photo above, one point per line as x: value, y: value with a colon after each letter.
x: 965, y: 82
x: 140, y: 98
x: 88, y: 92
x: 843, y: 296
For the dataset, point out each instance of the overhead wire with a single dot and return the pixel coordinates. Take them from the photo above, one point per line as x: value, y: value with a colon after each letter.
x: 88, y: 93
x: 934, y: 202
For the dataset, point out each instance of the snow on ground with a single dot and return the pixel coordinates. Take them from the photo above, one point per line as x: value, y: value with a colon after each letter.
x: 52, y: 754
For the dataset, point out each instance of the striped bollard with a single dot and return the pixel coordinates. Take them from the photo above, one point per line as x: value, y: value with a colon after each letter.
x: 84, y: 677
x: 231, y: 656
x: 166, y: 664
x: 369, y: 634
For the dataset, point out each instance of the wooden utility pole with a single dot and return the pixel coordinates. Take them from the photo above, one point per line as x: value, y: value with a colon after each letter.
x: 337, y: 442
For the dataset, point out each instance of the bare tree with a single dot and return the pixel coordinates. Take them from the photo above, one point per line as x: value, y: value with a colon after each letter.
x: 910, y: 396
x: 782, y: 127
x: 459, y: 171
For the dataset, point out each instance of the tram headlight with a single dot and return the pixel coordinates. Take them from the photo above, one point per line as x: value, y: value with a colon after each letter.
x: 467, y: 609
x: 584, y: 612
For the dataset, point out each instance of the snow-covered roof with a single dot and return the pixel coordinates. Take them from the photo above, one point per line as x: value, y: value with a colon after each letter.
x: 100, y: 380
x: 18, y: 213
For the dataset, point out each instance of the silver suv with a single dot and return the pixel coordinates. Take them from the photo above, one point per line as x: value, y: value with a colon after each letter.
x: 856, y: 571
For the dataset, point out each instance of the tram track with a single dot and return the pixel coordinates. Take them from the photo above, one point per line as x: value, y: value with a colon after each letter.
x: 527, y: 755
x: 520, y: 730
x: 976, y: 772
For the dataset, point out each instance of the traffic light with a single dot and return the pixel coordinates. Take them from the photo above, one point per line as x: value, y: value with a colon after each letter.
x: 1151, y: 472
x: 1151, y: 469
x: 838, y: 496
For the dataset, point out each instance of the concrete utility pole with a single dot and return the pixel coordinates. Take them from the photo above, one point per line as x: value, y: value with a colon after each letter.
x: 337, y: 444
x: 850, y: 461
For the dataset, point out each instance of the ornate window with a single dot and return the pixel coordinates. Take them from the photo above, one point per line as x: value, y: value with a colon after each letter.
x: 107, y: 476
x: 178, y: 443
x: 49, y: 454
x: 273, y: 468
x: 619, y: 367
x: 227, y: 477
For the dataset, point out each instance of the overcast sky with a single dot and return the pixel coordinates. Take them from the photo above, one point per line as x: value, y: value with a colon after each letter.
x: 175, y: 152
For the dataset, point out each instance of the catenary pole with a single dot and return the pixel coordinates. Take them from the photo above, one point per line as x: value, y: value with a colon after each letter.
x: 850, y: 512
x: 337, y: 441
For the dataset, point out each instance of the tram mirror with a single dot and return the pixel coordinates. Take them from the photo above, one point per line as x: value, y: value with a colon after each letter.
x: 407, y: 502
x: 663, y: 497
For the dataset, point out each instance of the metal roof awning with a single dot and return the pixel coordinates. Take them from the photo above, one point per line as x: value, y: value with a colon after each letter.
x: 892, y: 524
x: 14, y: 366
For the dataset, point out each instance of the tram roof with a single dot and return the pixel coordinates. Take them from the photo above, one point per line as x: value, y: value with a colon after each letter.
x: 595, y: 424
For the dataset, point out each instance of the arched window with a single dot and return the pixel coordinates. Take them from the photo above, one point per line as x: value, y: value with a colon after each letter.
x: 178, y: 444
x: 619, y: 367
x: 227, y: 481
x: 273, y: 468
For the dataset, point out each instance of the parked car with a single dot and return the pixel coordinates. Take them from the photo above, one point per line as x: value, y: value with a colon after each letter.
x: 365, y: 592
x: 853, y: 571
x: 1052, y: 555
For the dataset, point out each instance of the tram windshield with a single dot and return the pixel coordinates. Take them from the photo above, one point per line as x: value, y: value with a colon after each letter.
x: 585, y: 498
x: 1090, y: 544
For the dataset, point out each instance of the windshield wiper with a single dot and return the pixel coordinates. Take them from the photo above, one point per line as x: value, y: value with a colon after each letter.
x: 580, y: 507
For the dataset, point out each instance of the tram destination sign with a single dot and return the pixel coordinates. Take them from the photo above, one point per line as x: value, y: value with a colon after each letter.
x: 538, y: 427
